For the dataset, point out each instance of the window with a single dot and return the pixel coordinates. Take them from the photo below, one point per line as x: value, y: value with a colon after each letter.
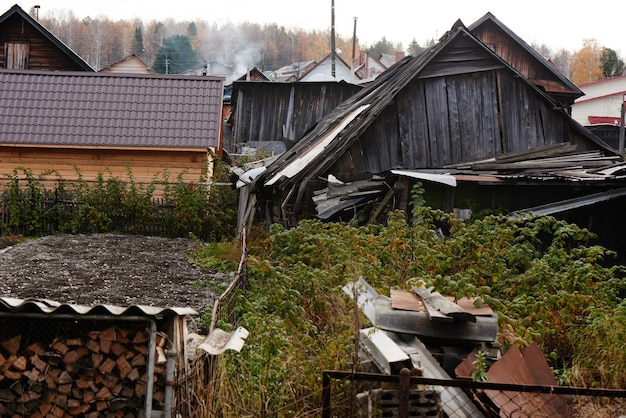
x: 16, y: 55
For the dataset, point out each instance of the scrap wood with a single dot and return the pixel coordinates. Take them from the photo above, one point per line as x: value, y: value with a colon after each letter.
x: 439, y: 307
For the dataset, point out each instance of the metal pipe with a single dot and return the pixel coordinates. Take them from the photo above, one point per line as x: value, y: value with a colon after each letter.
x: 354, y: 45
x: 169, y: 382
x: 333, y: 53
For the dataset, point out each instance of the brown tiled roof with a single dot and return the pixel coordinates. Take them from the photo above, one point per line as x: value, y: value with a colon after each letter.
x: 109, y: 110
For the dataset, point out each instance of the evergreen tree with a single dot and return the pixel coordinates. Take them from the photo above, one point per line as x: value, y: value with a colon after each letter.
x: 414, y: 48
x: 175, y: 56
x: 611, y: 65
x: 381, y: 47
x: 138, y: 46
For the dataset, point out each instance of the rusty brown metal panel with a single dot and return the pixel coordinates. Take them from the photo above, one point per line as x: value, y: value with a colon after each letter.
x: 527, y: 366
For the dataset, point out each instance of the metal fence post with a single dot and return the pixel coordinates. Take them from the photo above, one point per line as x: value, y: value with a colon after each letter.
x: 325, y: 395
x: 403, y: 393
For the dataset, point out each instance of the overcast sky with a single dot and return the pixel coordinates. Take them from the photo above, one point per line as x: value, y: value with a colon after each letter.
x: 557, y: 24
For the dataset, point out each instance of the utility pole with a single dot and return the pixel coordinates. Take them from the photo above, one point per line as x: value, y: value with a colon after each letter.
x: 621, y: 129
x: 332, y: 38
x: 354, y: 44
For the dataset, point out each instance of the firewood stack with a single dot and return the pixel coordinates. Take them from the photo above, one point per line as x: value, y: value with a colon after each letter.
x: 102, y: 373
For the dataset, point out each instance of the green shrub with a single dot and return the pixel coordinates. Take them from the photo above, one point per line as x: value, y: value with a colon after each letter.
x: 539, y: 274
x: 111, y: 204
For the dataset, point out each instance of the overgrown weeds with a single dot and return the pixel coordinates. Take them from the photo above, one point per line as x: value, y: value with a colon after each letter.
x: 543, y: 277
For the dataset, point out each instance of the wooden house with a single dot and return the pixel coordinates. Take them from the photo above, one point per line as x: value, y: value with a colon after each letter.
x: 26, y: 44
x: 459, y: 118
x: 368, y: 67
x: 323, y: 71
x: 109, y: 123
x: 131, y: 64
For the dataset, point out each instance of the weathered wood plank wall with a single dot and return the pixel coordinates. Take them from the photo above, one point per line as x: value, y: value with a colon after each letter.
x: 266, y: 111
x: 456, y: 118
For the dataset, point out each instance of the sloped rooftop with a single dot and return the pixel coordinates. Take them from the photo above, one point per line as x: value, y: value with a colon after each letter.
x: 109, y: 110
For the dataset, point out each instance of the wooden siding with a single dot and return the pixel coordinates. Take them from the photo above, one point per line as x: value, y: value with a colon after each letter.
x: 453, y: 119
x: 44, y: 55
x: 278, y: 111
x: 131, y: 64
x: 510, y: 50
x: 144, y: 164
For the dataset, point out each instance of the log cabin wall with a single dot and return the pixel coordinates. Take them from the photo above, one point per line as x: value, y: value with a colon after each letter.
x: 144, y: 164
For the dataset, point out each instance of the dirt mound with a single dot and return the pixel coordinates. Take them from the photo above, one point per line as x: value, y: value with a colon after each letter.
x: 111, y: 269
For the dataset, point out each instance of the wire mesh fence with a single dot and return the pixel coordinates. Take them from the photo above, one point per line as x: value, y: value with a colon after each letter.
x: 366, y: 395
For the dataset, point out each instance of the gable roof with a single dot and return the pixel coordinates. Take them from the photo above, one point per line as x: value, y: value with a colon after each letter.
x: 17, y: 11
x: 52, y: 108
x: 317, y: 151
x: 129, y: 64
x: 314, y: 73
x: 566, y: 85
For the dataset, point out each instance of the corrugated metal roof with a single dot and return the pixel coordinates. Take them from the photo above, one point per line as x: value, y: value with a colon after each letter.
x: 45, y: 306
x: 110, y: 110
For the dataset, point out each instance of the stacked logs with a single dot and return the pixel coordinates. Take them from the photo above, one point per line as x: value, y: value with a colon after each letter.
x: 101, y: 373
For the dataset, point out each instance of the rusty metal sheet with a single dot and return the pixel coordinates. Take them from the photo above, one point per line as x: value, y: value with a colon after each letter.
x: 528, y: 367
x: 406, y: 301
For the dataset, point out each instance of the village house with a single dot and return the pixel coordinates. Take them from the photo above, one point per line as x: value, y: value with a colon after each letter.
x: 91, y: 123
x: 600, y: 108
x: 60, y: 116
x: 131, y: 64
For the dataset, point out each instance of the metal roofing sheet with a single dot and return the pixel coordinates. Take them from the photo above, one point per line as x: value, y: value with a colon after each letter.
x: 108, y: 109
x: 45, y: 306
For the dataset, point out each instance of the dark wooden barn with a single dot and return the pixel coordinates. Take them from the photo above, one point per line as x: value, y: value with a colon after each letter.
x: 442, y: 118
x: 272, y: 115
x: 28, y: 45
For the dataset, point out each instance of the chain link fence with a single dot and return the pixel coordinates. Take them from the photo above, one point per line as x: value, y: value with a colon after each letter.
x: 368, y: 395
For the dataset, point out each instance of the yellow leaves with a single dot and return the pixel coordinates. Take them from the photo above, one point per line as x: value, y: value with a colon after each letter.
x: 586, y: 64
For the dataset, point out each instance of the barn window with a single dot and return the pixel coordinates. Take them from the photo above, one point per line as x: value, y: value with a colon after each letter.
x: 16, y: 55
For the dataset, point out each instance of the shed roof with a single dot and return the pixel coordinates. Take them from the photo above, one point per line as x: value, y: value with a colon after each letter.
x: 73, y: 56
x: 109, y: 109
x: 44, y: 306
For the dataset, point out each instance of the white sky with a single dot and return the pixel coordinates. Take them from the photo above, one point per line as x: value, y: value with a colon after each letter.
x: 557, y: 24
